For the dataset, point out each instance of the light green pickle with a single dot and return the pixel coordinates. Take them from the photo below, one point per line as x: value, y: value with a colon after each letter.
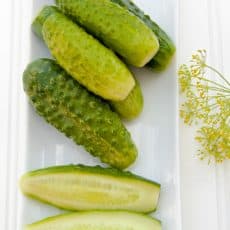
x: 128, y: 108
x: 83, y: 57
x: 167, y: 48
x: 116, y: 27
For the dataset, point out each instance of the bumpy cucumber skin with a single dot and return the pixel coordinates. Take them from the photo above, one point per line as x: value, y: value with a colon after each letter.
x: 89, y: 219
x: 167, y: 48
x: 132, y: 106
x: 83, y: 57
x: 110, y: 173
x: 119, y: 29
x: 80, y: 115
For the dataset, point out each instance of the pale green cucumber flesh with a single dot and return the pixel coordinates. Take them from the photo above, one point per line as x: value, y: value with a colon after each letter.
x: 80, y: 115
x: 83, y: 57
x: 167, y: 48
x: 91, y: 188
x: 116, y: 27
x: 97, y: 220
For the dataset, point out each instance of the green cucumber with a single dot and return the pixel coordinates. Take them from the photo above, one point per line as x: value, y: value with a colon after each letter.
x: 82, y: 56
x: 97, y: 220
x: 80, y: 115
x: 78, y: 187
x: 167, y: 48
x: 119, y: 29
x: 132, y: 106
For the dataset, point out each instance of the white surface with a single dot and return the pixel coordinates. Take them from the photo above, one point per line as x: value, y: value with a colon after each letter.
x: 204, y: 189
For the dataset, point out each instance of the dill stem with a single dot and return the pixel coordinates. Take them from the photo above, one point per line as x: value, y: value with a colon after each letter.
x: 217, y: 72
x: 213, y: 88
x: 213, y: 106
x: 219, y: 96
x: 213, y: 82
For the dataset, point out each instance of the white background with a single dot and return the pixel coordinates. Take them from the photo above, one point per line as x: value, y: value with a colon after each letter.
x: 205, y: 190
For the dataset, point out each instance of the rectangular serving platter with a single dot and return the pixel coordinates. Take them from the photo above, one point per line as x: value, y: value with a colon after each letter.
x: 35, y: 144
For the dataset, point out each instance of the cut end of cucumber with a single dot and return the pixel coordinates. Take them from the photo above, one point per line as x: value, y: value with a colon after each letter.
x: 38, y: 22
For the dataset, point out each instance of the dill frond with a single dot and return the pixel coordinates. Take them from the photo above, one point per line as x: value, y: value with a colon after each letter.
x: 207, y: 104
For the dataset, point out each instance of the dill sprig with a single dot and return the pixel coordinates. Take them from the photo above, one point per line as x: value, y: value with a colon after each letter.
x: 207, y: 104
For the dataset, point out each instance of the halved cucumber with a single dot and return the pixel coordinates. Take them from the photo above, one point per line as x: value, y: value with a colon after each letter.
x: 97, y: 220
x: 91, y: 188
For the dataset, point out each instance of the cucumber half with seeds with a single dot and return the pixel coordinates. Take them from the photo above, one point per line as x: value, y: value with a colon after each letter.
x: 97, y: 220
x: 167, y: 48
x: 119, y: 29
x: 91, y: 188
x: 82, y: 56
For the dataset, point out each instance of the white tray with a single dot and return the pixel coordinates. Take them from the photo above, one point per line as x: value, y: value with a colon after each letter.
x: 155, y: 132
